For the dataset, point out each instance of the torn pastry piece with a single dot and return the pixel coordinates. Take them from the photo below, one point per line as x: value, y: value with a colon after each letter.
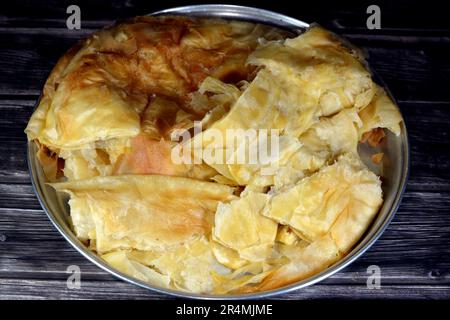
x: 302, y: 163
x: 143, y: 212
x: 120, y: 259
x: 328, y: 73
x: 380, y: 113
x: 97, y: 160
x: 52, y: 165
x: 239, y: 225
x: 351, y: 223
x: 314, y: 204
x: 79, y: 117
x: 215, y: 98
x: 263, y: 157
x: 252, y: 110
x: 213, y: 95
x: 305, y: 261
x: 266, y: 105
x: 286, y: 235
x: 325, y: 140
x: 337, y: 134
x: 86, y: 163
x: 247, y: 276
x: 226, y: 256
x: 270, y: 102
x: 87, y: 120
x: 162, y: 116
x: 82, y: 220
x: 187, y: 266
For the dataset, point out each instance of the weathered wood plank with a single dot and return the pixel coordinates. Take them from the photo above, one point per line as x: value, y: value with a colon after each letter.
x: 53, y: 289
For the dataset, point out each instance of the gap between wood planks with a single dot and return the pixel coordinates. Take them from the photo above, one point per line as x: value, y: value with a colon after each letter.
x: 385, y: 34
x: 339, y: 279
x: 53, y: 289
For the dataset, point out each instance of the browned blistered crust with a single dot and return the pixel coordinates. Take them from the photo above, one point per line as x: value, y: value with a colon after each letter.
x: 166, y: 56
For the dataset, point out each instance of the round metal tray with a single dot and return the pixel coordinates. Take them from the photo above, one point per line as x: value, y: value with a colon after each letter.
x: 394, y: 171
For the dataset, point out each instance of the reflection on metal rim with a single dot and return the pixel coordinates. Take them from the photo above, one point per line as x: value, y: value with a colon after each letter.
x: 395, y: 174
x: 237, y: 13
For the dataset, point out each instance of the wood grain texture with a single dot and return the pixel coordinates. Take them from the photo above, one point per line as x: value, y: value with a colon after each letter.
x: 51, y: 289
x: 410, y: 53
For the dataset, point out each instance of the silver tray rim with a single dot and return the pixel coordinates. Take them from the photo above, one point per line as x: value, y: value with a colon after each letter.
x: 233, y: 12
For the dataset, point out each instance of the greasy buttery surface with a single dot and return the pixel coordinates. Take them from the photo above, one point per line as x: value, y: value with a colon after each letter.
x: 112, y: 103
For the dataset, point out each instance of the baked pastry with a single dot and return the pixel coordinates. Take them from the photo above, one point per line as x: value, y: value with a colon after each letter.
x: 108, y: 126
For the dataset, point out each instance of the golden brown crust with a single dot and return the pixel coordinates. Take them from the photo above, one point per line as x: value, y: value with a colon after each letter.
x: 167, y: 56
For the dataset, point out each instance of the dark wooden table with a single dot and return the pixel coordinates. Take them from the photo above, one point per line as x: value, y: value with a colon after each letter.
x: 411, y: 53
